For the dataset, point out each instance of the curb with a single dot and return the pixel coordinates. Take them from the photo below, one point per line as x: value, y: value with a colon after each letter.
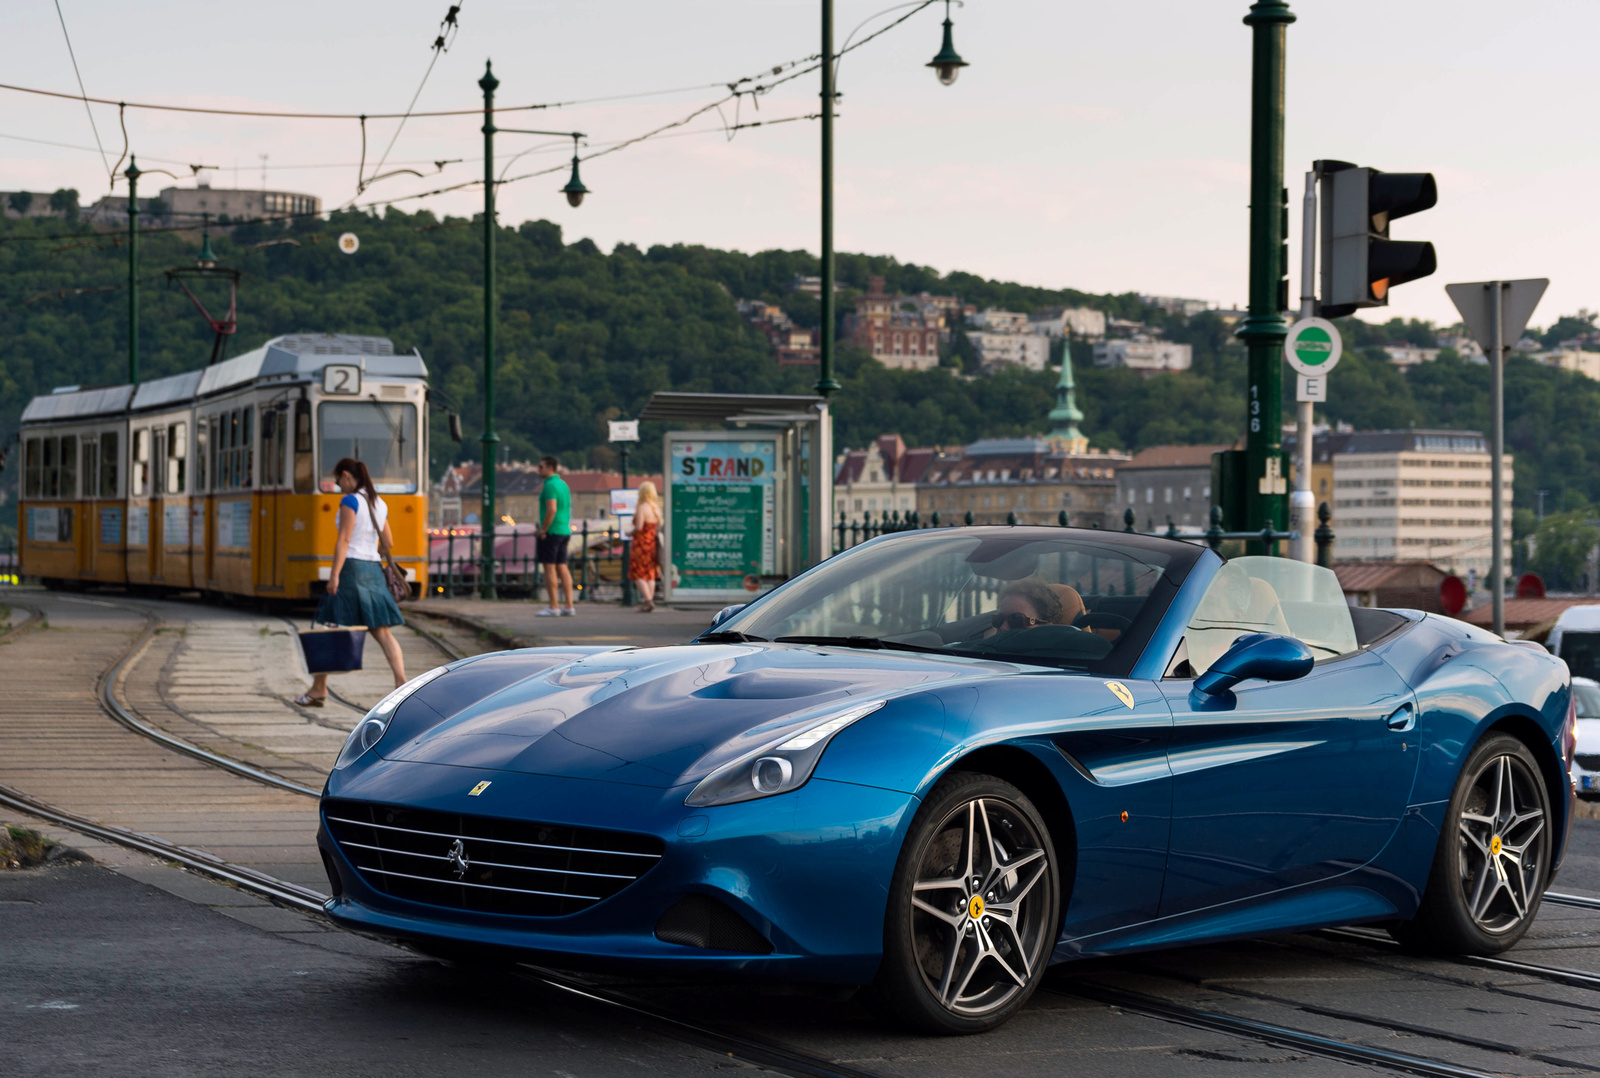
x: 499, y: 637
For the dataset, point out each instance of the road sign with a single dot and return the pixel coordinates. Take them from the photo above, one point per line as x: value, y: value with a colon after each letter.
x: 1475, y: 301
x: 624, y: 430
x: 349, y: 243
x: 1312, y: 388
x: 1313, y: 346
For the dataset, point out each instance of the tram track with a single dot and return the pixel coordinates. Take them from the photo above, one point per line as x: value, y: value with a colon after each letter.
x: 35, y: 617
x: 751, y: 1049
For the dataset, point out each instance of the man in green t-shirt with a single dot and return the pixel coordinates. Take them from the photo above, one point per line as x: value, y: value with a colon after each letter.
x: 555, y: 536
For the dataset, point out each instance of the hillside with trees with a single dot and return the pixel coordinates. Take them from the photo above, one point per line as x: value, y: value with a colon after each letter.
x: 587, y: 336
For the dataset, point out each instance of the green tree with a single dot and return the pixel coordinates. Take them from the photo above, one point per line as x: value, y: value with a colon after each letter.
x: 1561, y: 548
x: 65, y: 202
x: 20, y: 201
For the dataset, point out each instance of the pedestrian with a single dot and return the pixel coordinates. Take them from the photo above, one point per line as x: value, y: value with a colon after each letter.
x: 555, y: 536
x: 357, y: 589
x: 643, y: 567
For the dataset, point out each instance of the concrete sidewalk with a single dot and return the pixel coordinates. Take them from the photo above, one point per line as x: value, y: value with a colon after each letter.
x: 594, y: 623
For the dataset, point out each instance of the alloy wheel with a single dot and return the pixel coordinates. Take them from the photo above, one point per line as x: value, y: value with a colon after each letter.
x: 981, y: 905
x: 1501, y: 827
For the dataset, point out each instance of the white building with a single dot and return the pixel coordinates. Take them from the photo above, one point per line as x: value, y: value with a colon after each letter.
x: 999, y: 321
x: 1030, y: 350
x: 1409, y: 355
x: 1573, y: 359
x: 1143, y: 355
x: 1178, y: 305
x: 1059, y: 321
x: 1416, y: 495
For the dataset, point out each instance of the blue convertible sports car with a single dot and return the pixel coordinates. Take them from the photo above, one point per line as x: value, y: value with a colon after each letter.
x: 944, y: 760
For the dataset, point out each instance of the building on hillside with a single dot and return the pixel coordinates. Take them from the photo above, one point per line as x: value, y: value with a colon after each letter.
x: 879, y: 479
x: 61, y: 204
x: 995, y: 350
x: 1464, y: 346
x: 455, y: 499
x: 1065, y: 321
x: 178, y: 206
x: 1413, y: 585
x: 1416, y: 495
x: 1409, y: 355
x: 947, y: 311
x: 1573, y: 359
x: 905, y: 339
x: 997, y: 478
x: 1168, y: 483
x: 790, y: 344
x: 1143, y: 354
x: 996, y: 321
x: 1188, y: 308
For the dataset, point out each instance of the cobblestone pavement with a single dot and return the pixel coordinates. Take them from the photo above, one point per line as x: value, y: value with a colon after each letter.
x: 594, y: 623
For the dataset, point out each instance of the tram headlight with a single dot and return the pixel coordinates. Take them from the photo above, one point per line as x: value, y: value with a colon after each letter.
x: 370, y: 730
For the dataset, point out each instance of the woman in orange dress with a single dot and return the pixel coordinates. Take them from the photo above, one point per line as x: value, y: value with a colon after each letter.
x: 643, y: 561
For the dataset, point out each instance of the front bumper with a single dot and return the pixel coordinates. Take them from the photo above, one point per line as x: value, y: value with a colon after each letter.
x: 810, y: 870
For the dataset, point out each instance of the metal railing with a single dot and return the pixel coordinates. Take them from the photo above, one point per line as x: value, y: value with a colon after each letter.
x: 10, y: 563
x: 852, y: 533
x: 598, y: 559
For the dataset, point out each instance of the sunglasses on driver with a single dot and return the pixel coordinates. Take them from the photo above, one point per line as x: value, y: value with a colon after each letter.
x: 1014, y: 621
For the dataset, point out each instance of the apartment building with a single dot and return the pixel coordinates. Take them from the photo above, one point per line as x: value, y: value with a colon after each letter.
x: 1028, y: 477
x: 1417, y: 495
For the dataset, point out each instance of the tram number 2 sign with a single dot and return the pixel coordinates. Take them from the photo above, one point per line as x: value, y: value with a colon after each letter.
x: 341, y: 378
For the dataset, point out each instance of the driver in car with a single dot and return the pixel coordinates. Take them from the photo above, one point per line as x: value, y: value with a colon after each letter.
x: 1026, y: 603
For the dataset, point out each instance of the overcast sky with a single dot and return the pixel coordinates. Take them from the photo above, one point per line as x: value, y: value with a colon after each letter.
x: 1096, y: 146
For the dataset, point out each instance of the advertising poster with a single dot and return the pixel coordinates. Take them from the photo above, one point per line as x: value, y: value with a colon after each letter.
x: 175, y: 526
x: 138, y: 525
x: 44, y: 525
x: 111, y: 525
x: 233, y: 524
x: 723, y: 526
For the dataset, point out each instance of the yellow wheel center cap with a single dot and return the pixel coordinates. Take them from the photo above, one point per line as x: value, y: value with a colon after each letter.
x: 975, y: 907
x: 1494, y: 846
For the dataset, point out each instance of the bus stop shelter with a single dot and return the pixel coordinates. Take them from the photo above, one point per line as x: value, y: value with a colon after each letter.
x: 742, y: 490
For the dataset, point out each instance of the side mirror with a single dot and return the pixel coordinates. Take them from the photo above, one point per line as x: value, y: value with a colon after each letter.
x: 455, y: 427
x: 1267, y: 656
x: 727, y: 612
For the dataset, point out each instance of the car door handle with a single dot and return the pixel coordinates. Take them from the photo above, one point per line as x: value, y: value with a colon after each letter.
x: 1403, y: 719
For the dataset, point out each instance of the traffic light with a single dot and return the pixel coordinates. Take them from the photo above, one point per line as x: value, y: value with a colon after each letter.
x: 1360, y: 263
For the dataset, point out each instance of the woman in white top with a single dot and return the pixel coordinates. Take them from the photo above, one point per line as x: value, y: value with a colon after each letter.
x: 359, y: 593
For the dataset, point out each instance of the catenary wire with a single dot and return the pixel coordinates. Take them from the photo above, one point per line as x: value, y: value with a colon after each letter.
x: 79, y: 76
x: 441, y: 45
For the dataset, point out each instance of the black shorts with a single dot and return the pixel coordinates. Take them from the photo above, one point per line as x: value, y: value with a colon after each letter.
x: 551, y: 549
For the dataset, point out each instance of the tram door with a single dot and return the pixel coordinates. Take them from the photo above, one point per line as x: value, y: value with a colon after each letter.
x: 89, y: 483
x: 270, y: 554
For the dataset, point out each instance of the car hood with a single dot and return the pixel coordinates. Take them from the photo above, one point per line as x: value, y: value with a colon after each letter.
x: 648, y: 716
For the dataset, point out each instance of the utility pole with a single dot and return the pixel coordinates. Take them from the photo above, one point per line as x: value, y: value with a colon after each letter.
x: 1264, y: 329
x: 821, y: 538
x: 491, y: 440
x: 133, y: 271
x: 1497, y: 451
x: 1303, y: 503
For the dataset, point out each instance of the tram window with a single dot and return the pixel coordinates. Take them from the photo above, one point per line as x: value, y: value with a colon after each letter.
x: 201, y: 442
x: 177, y: 458
x: 246, y: 448
x: 305, y: 474
x: 91, y: 465
x: 52, y: 468
x: 139, y: 472
x: 31, y: 482
x: 69, y: 466
x: 108, y: 464
x: 384, y: 436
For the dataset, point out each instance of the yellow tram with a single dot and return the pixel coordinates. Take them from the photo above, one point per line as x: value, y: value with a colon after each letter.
x: 217, y: 479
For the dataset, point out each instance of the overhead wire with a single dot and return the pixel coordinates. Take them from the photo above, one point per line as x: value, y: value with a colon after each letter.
x: 448, y: 29
x: 79, y: 76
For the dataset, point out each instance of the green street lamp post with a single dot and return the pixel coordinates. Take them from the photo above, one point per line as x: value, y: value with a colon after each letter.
x: 947, y: 66
x: 1264, y: 328
x: 133, y: 271
x: 574, y: 190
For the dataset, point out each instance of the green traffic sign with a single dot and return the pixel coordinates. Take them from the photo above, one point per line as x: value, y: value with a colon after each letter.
x: 1313, y: 346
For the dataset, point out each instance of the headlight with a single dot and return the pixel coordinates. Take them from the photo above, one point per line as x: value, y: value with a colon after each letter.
x: 371, y: 728
x: 778, y: 767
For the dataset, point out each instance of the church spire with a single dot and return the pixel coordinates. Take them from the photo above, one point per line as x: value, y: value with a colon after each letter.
x: 1065, y: 416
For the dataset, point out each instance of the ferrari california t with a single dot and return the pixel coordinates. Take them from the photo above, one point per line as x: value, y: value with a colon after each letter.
x: 943, y: 760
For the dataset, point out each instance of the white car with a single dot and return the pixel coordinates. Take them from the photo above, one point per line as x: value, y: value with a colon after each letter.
x: 1586, y: 761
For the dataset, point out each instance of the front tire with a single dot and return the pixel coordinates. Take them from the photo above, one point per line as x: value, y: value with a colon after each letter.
x: 1492, y: 862
x: 973, y: 910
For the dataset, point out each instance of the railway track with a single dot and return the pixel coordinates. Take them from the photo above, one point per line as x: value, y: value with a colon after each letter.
x: 752, y: 1049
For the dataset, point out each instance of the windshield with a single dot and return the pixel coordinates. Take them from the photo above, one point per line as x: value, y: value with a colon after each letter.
x: 1047, y: 596
x: 383, y: 436
x: 1588, y: 700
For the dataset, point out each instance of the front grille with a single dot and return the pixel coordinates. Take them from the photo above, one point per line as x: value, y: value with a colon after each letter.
x: 484, y: 864
x: 701, y: 921
x: 1588, y: 761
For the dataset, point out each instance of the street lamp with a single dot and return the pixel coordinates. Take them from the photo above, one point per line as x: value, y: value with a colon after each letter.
x: 574, y: 191
x: 948, y: 64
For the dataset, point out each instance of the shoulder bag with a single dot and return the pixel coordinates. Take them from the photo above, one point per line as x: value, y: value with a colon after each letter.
x: 399, y: 588
x: 334, y: 648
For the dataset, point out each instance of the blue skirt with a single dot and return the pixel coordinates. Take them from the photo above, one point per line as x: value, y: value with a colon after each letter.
x: 363, y: 597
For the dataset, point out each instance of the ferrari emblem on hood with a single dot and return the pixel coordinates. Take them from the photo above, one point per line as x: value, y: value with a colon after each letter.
x: 482, y: 786
x: 1121, y: 692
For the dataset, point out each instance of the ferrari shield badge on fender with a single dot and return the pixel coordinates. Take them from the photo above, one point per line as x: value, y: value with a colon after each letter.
x: 1121, y: 692
x: 484, y: 785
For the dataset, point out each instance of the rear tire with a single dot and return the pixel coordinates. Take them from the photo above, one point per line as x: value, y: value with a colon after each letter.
x: 1493, y: 859
x: 973, y: 910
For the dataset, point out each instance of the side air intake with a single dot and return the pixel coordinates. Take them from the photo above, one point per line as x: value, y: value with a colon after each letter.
x: 701, y: 921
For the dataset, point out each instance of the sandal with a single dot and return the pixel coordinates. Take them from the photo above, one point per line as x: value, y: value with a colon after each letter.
x: 305, y: 699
